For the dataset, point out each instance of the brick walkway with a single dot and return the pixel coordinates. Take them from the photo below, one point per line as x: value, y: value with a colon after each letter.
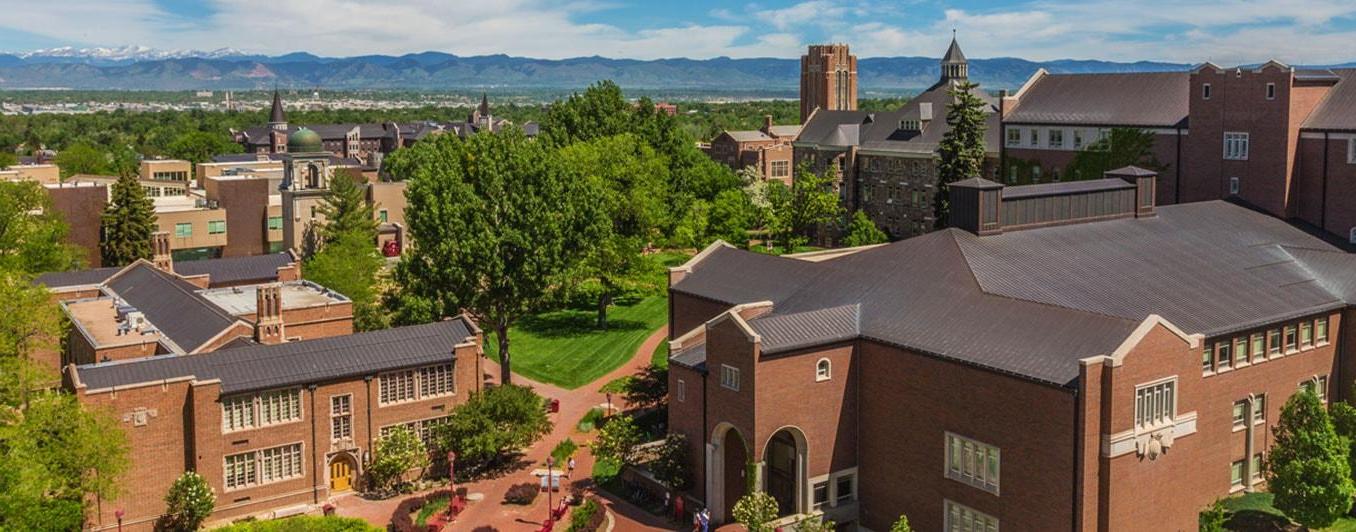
x: 490, y: 514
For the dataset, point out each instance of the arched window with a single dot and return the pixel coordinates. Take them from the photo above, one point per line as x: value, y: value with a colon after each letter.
x: 312, y: 176
x: 823, y: 370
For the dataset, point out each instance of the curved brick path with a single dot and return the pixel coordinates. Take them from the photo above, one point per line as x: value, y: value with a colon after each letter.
x: 489, y: 514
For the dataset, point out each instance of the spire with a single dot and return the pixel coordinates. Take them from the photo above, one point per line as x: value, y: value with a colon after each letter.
x: 954, y: 65
x: 277, y: 116
x: 484, y: 104
x: 953, y: 53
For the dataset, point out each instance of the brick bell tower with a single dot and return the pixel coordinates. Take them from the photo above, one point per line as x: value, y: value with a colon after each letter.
x: 161, y: 256
x: 268, y: 323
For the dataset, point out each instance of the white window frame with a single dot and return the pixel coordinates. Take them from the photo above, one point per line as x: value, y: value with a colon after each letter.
x: 729, y: 377
x: 423, y: 428
x: 972, y: 462
x: 977, y: 521
x: 240, y: 408
x: 1078, y: 139
x: 1237, y: 474
x: 823, y: 370
x: 254, y: 468
x: 336, y: 415
x: 1235, y: 185
x: 1055, y: 138
x: 1153, y: 402
x: 284, y: 418
x: 1014, y: 136
x: 1035, y: 138
x: 1205, y: 91
x: 1271, y: 91
x: 1236, y: 144
x: 680, y: 391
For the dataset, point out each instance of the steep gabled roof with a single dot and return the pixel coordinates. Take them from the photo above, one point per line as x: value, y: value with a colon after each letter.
x: 235, y: 270
x: 260, y: 367
x: 1338, y: 110
x: 1140, y: 99
x: 172, y: 305
x: 1035, y: 302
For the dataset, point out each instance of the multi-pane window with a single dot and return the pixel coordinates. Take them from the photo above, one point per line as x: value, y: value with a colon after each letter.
x: 237, y: 413
x: 1306, y: 334
x: 436, y: 380
x: 280, y: 463
x: 781, y: 168
x: 1223, y: 355
x: 1155, y: 404
x: 1274, y: 342
x: 821, y: 494
x: 961, y: 518
x: 1321, y: 330
x: 1240, y: 350
x: 216, y: 227
x: 843, y: 489
x: 1240, y: 414
x: 1236, y: 474
x: 1035, y: 138
x: 1258, y: 347
x: 1208, y: 357
x: 1077, y: 139
x: 240, y: 470
x: 972, y: 462
x: 1236, y: 146
x: 729, y: 377
x: 183, y: 230
x: 275, y: 223
x: 1318, y: 385
x: 341, y: 417
x: 680, y: 392
x: 1259, y: 409
x: 1291, y: 338
x: 1255, y: 468
x: 279, y: 406
x: 424, y: 428
x: 1014, y: 137
x: 823, y: 370
x: 396, y: 387
x: 1055, y: 138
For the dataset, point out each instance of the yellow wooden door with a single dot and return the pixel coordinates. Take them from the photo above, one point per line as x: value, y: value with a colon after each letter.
x: 341, y: 475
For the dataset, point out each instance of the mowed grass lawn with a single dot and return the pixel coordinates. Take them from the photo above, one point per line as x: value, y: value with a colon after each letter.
x: 564, y: 348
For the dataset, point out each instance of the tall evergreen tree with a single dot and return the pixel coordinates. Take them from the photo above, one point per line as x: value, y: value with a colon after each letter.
x: 346, y: 210
x: 961, y: 153
x: 1308, y: 471
x: 128, y: 221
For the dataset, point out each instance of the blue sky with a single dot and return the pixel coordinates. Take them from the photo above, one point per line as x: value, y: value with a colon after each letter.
x: 1223, y: 31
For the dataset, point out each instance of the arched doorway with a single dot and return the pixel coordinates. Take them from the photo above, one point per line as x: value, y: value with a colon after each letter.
x: 736, y: 461
x: 785, y: 459
x: 343, y: 471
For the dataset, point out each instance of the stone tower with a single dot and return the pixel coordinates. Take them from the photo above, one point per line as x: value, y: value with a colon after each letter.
x: 268, y: 322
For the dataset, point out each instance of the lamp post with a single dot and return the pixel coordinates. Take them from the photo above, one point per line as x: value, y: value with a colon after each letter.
x: 451, y: 480
x: 550, y: 515
x: 119, y: 514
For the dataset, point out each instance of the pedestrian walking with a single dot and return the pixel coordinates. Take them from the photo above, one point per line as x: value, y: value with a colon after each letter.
x: 570, y: 467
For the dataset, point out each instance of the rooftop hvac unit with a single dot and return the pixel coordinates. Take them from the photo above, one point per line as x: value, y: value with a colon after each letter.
x: 136, y: 320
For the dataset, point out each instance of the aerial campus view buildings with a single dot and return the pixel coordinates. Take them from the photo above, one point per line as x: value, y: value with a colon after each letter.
x: 1060, y: 352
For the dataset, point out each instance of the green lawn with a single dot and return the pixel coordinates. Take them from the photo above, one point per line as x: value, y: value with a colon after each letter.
x: 564, y: 348
x: 1254, y: 512
x: 660, y: 357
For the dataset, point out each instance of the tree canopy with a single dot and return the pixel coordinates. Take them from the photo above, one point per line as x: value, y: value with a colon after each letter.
x: 201, y: 146
x: 31, y: 231
x: 862, y: 231
x: 503, y: 227
x: 1308, y: 470
x: 81, y: 159
x: 493, y: 422
x: 808, y: 204
x: 128, y: 221
x: 1120, y: 148
x: 961, y: 153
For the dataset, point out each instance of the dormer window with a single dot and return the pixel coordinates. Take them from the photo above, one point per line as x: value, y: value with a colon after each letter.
x: 910, y: 125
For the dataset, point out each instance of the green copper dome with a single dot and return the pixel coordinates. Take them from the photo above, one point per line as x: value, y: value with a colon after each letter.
x: 304, y: 141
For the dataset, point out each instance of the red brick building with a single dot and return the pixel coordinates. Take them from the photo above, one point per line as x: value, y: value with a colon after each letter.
x: 275, y: 429
x: 828, y: 80
x: 1014, y: 370
x: 767, y: 150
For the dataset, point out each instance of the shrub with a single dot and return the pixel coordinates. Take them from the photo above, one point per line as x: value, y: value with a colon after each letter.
x: 402, y: 519
x: 902, y: 525
x: 399, y: 451
x: 522, y: 494
x: 189, y: 501
x: 755, y: 511
x: 591, y: 419
x: 563, y: 451
x: 670, y: 464
x: 587, y: 517
x: 304, y: 523
x: 1213, y: 517
x: 617, y: 440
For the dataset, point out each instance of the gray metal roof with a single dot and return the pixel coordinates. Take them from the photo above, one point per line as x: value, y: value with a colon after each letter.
x: 883, y: 131
x: 75, y: 278
x: 1144, y: 99
x: 254, y: 157
x: 262, y: 367
x: 232, y: 270
x: 1034, y: 302
x: 172, y: 305
x: 1338, y: 110
x: 787, y: 332
x: 1066, y: 187
x: 953, y: 53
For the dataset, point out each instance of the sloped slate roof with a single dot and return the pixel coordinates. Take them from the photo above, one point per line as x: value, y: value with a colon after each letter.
x: 230, y: 270
x: 253, y: 157
x: 786, y: 332
x: 75, y: 278
x: 1034, y: 302
x: 882, y: 132
x: 262, y: 367
x: 171, y: 305
x: 1338, y: 110
x: 1145, y: 99
x: 824, y: 125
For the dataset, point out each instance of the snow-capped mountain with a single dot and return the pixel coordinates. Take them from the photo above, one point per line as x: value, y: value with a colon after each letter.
x: 121, y: 54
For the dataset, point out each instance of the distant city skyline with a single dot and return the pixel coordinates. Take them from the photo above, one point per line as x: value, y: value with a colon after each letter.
x: 1189, y: 31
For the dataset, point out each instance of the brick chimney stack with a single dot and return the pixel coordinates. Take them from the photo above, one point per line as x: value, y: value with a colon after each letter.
x: 767, y: 124
x: 268, y: 323
x: 160, y: 251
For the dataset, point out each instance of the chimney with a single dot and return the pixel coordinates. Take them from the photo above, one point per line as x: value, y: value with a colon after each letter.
x: 767, y: 124
x: 268, y: 323
x: 1145, y: 182
x: 976, y: 206
x: 160, y: 251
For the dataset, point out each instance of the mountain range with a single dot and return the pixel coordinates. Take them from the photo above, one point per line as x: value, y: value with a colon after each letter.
x: 142, y: 68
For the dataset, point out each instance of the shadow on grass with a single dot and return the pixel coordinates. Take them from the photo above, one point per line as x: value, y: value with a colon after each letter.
x: 571, y: 323
x: 1258, y: 521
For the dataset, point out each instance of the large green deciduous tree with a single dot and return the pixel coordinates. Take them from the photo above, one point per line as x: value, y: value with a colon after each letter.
x: 399, y: 451
x: 733, y: 214
x: 1308, y: 470
x: 863, y: 232
x: 31, y: 231
x: 81, y: 159
x: 128, y: 221
x: 632, y: 181
x: 808, y: 204
x: 493, y: 422
x: 502, y: 227
x: 961, y: 153
x: 201, y: 146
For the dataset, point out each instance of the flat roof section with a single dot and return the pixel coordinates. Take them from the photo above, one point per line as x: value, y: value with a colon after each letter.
x: 241, y: 300
x: 98, y: 318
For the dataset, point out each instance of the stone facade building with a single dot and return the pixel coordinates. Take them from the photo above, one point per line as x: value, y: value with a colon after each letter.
x: 1106, y: 387
x: 886, y: 162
